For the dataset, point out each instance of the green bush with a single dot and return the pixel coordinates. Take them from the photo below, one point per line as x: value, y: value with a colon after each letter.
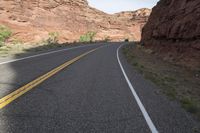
x: 88, y: 37
x: 5, y: 33
x: 53, y: 37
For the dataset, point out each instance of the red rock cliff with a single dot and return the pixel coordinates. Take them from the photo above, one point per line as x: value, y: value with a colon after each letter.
x: 173, y: 31
x: 32, y: 20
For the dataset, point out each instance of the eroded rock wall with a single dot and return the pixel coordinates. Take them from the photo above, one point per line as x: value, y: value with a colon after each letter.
x: 32, y: 20
x: 173, y: 31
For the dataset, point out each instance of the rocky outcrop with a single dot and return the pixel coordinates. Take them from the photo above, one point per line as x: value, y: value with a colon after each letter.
x: 134, y: 21
x: 141, y: 14
x: 173, y: 31
x: 32, y: 20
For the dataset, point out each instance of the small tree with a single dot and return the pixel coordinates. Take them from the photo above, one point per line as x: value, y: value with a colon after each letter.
x: 5, y: 33
x: 88, y: 37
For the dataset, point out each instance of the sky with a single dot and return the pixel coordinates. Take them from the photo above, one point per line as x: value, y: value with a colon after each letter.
x: 114, y: 6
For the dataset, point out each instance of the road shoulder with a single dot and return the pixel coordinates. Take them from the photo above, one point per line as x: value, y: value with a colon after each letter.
x: 164, y: 113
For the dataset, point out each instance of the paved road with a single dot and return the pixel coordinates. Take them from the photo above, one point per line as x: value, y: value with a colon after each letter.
x: 90, y: 95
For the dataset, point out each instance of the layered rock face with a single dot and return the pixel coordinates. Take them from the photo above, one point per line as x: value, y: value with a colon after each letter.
x: 173, y: 31
x: 134, y: 21
x: 32, y: 20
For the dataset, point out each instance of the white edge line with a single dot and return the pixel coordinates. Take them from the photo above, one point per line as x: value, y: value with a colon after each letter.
x: 141, y: 106
x: 42, y: 54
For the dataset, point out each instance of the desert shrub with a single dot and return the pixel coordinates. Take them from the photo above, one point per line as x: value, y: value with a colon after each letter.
x: 126, y: 40
x: 1, y: 44
x: 107, y: 39
x: 88, y: 37
x: 190, y: 105
x: 53, y: 37
x: 16, y: 41
x: 5, y: 33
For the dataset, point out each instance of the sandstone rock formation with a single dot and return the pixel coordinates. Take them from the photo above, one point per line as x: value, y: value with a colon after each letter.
x: 32, y: 20
x: 173, y: 31
x: 134, y: 21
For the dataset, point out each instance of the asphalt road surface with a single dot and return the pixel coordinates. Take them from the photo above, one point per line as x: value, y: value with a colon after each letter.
x: 97, y: 93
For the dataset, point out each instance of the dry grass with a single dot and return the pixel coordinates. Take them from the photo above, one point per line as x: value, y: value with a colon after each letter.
x: 17, y: 49
x: 177, y: 83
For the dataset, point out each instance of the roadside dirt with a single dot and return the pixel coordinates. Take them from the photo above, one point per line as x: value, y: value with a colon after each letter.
x: 178, y: 83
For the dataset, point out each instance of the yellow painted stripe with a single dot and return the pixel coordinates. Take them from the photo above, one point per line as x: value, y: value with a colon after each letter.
x: 19, y: 92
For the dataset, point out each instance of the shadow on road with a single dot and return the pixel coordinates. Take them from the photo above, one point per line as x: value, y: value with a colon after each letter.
x: 16, y: 116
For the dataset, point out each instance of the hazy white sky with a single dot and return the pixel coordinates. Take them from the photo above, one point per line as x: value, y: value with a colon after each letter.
x: 113, y: 6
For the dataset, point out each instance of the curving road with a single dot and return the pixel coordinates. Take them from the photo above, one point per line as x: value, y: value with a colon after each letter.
x: 100, y: 92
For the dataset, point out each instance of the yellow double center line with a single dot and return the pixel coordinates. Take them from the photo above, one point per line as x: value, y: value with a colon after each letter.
x: 19, y: 92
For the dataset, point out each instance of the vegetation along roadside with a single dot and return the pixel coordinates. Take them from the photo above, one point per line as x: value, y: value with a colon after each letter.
x: 178, y: 83
x: 11, y: 46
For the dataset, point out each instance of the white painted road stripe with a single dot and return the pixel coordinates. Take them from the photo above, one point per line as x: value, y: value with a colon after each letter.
x: 141, y: 106
x: 42, y: 54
